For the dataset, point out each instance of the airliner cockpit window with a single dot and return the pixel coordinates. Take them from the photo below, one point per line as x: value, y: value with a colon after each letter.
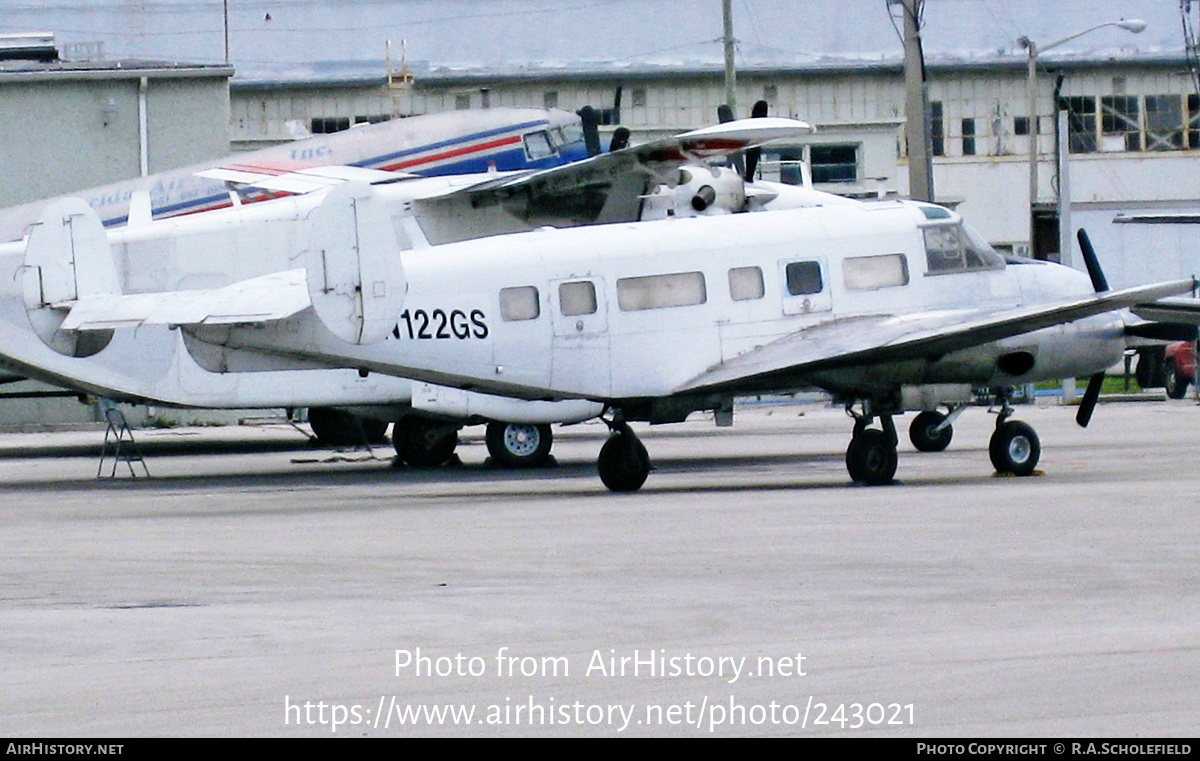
x: 537, y: 145
x: 958, y: 248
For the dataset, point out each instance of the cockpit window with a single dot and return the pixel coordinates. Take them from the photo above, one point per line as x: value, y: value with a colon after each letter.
x: 957, y: 248
x: 538, y: 146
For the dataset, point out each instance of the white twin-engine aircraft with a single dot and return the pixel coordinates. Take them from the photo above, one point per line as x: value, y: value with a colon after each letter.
x: 206, y: 251
x: 890, y: 306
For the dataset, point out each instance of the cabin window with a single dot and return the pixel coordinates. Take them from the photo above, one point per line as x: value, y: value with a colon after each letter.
x: 661, y: 291
x: 577, y: 298
x: 804, y: 278
x: 538, y: 146
x: 869, y: 273
x: 746, y: 283
x: 520, y: 303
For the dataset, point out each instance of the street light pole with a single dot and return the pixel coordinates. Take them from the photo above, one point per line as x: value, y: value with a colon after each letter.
x: 1136, y: 26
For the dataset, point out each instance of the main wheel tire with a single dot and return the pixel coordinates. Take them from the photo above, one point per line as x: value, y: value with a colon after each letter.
x: 337, y: 428
x: 1149, y: 367
x: 519, y: 445
x: 623, y: 463
x: 1015, y: 448
x: 1174, y: 383
x: 424, y: 443
x: 922, y: 435
x: 871, y: 458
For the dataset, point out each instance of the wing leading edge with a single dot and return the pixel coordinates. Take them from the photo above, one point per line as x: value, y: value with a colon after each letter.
x: 879, y: 339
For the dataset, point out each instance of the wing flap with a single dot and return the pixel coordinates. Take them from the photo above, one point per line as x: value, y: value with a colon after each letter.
x: 877, y: 339
x: 263, y: 299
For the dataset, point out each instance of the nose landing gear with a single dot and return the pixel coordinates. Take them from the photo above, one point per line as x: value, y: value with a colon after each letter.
x: 1014, y: 447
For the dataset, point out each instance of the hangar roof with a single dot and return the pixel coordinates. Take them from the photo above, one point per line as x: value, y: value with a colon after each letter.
x: 340, y: 40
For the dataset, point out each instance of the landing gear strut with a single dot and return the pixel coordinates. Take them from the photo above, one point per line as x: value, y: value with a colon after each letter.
x: 623, y: 463
x: 871, y: 457
x: 1014, y: 446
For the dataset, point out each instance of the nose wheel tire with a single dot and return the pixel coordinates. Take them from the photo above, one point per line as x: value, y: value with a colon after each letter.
x: 623, y: 463
x: 519, y: 445
x: 871, y: 458
x: 1015, y: 448
x: 923, y: 436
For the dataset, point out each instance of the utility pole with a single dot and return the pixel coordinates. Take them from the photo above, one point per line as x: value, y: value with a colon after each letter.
x: 916, y: 106
x: 730, y: 71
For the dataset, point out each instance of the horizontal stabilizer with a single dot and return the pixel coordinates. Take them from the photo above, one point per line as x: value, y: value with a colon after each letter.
x: 262, y: 299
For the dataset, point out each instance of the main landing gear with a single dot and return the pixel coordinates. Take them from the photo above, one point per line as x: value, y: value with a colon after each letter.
x: 623, y: 463
x: 871, y: 457
x: 424, y: 443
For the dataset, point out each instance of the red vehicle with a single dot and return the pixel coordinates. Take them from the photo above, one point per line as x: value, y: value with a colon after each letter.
x: 1179, y: 368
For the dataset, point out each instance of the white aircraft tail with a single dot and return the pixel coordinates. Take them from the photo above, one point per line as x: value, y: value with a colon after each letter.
x: 67, y: 258
x: 355, y: 275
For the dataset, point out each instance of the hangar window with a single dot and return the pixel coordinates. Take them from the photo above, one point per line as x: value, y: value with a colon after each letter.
x: 746, y: 283
x: 577, y: 298
x: 869, y: 273
x: 1081, y: 124
x: 1164, y: 123
x: 520, y: 303
x: 550, y: 99
x: 834, y: 163
x: 327, y: 125
x: 661, y: 291
x: 1120, y: 124
x: 804, y: 278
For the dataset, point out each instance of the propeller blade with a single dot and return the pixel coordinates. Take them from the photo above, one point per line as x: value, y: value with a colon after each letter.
x: 754, y: 154
x: 725, y: 114
x: 590, y: 119
x: 1099, y: 282
x: 620, y: 139
x: 1088, y: 405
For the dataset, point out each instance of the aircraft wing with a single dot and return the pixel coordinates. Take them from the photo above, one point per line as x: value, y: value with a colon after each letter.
x: 1179, y: 311
x: 262, y: 299
x: 878, y: 339
x: 604, y: 188
x: 297, y: 179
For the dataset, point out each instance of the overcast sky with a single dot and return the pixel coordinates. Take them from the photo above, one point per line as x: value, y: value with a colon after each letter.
x: 270, y: 39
